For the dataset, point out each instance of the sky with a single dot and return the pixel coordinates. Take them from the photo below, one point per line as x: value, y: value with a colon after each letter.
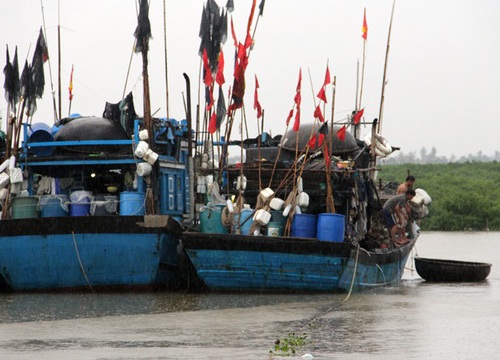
x: 442, y: 79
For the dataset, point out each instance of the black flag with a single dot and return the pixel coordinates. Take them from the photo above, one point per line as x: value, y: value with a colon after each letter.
x: 143, y: 31
x: 11, y: 84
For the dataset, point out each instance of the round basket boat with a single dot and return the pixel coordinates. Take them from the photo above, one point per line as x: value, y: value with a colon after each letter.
x: 439, y: 270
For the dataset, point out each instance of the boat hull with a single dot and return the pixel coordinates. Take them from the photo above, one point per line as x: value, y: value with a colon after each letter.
x: 83, y: 252
x: 246, y: 263
x: 439, y: 270
x: 382, y: 267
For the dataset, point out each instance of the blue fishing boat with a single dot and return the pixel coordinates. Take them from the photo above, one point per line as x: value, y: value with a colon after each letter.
x: 74, y: 222
x: 91, y: 203
x: 299, y: 211
x: 349, y: 249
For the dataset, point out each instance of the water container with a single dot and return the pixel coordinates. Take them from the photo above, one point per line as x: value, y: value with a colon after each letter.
x: 275, y: 229
x: 244, y: 224
x: 41, y: 132
x: 132, y: 203
x: 80, y: 203
x: 103, y: 205
x: 331, y: 227
x: 53, y: 206
x: 304, y: 225
x: 277, y: 216
x: 24, y: 207
x: 210, y: 220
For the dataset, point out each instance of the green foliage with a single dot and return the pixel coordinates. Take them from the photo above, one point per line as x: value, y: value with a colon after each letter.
x: 465, y: 196
x: 289, y: 345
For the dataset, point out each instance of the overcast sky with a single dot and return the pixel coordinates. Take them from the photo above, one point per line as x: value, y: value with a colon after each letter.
x: 442, y: 75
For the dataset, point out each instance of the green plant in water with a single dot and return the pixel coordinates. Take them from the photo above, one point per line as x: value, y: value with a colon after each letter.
x: 289, y: 345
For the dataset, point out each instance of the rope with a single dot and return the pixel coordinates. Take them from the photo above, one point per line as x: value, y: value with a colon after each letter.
x: 353, y: 274
x: 227, y: 217
x: 80, y: 262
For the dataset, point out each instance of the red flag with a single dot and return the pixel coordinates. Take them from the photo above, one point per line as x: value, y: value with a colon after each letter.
x: 318, y: 115
x: 219, y: 78
x: 212, y: 125
x: 208, y: 78
x: 250, y: 18
x: 357, y: 117
x: 321, y: 138
x: 316, y: 139
x: 299, y: 83
x: 298, y: 97
x: 328, y: 80
x: 321, y: 94
x: 296, y: 124
x: 290, y: 114
x: 312, y: 142
x: 248, y: 41
x: 341, y: 133
x: 364, y: 29
x: 297, y: 100
x: 70, y: 87
x: 233, y: 33
x: 256, y: 104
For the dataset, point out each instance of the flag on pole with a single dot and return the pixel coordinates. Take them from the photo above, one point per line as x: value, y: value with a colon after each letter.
x: 70, y: 87
x: 328, y: 80
x: 364, y: 29
x: 143, y: 30
x: 233, y: 33
x: 219, y: 78
x: 289, y: 117
x: 12, y: 84
x: 298, y: 100
x: 256, y: 103
x: 261, y: 7
x: 357, y: 117
x: 322, y: 94
x: 207, y: 78
x: 318, y: 115
x: 341, y: 133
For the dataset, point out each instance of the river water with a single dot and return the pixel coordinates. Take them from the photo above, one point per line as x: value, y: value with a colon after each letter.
x: 414, y: 320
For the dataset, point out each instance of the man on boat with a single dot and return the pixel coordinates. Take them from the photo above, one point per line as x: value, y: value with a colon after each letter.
x: 408, y: 184
x: 396, y: 214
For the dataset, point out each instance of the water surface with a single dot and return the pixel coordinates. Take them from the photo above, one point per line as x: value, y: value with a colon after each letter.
x: 415, y: 320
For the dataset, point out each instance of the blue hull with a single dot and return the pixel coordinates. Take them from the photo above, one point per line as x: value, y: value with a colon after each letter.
x: 249, y: 270
x: 95, y: 255
x: 367, y: 270
x: 246, y: 263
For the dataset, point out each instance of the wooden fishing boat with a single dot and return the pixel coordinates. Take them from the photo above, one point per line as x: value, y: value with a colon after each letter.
x: 299, y: 212
x: 440, y: 270
x: 342, y: 251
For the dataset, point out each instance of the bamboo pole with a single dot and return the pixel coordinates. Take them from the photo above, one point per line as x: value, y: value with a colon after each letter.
x: 382, y: 97
x: 166, y: 58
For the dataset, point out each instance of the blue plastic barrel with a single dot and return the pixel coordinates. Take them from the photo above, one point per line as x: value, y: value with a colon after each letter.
x: 245, y: 223
x: 53, y: 205
x: 80, y: 203
x: 304, y: 225
x: 132, y: 203
x: 24, y: 207
x: 40, y: 132
x: 211, y: 220
x: 331, y: 227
